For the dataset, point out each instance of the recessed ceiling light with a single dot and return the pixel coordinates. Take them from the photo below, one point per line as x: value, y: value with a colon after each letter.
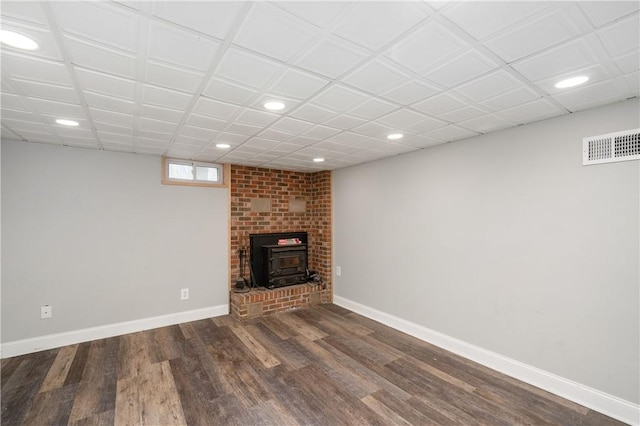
x: 223, y: 145
x: 17, y: 40
x: 65, y: 122
x: 395, y: 136
x: 318, y: 160
x: 571, y: 82
x: 274, y: 105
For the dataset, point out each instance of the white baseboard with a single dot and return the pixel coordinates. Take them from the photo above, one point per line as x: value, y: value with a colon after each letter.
x: 35, y: 344
x: 594, y: 399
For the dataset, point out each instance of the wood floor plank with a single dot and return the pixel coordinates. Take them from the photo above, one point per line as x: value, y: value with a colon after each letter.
x: 150, y: 398
x: 59, y: 369
x: 322, y: 365
x: 255, y: 347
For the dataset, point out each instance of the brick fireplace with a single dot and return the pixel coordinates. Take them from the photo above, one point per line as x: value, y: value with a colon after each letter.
x: 273, y: 201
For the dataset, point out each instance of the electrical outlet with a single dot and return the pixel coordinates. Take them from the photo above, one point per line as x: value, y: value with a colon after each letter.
x: 46, y: 311
x: 184, y: 294
x: 338, y: 271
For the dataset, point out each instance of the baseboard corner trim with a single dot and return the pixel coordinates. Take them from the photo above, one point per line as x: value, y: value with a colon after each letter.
x: 594, y: 399
x: 41, y: 343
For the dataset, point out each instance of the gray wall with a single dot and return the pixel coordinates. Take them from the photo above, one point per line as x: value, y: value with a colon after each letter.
x: 507, y: 242
x: 97, y: 236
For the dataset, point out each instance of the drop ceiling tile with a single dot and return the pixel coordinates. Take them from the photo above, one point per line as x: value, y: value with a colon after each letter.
x: 27, y: 126
x: 375, y: 24
x: 339, y: 98
x: 628, y: 63
x: 531, y: 111
x: 589, y: 93
x: 488, y: 86
x: 313, y: 113
x: 292, y: 125
x: 344, y: 138
x: 393, y: 149
x: 216, y: 109
x: 425, y: 125
x: 75, y: 132
x: 108, y: 61
x: 297, y: 84
x: 410, y: 92
x: 96, y: 21
x: 557, y: 61
x: 434, y: 42
x: 595, y: 73
x: 13, y: 114
x: 375, y: 77
x: 285, y: 148
x: 372, y: 109
x: 344, y: 122
x: 372, y: 129
x: 159, y: 96
x: 464, y: 113
x: 113, y: 129
x: 14, y: 101
x: 167, y: 114
x: 40, y: 137
x: 485, y: 124
x: 157, y: 125
x: 158, y: 138
x: 47, y: 91
x: 623, y: 37
x: 47, y: 45
x: 110, y: 117
x: 419, y: 141
x: 230, y: 138
x: 543, y: 32
x: 114, y: 138
x: 256, y: 117
x: 276, y: 135
x: 172, y: 77
x: 213, y: 18
x: 247, y: 69
x: 330, y: 58
x: 633, y: 81
x: 468, y: 65
x: 179, y: 47
x: 111, y: 85
x: 195, y: 135
x: 36, y: 69
x: 261, y: 144
x: 401, y: 118
x: 336, y: 147
x: 243, y: 129
x: 52, y: 107
x: 318, y: 13
x: 198, y: 132
x: 449, y: 133
x: 302, y: 141
x: 510, y: 99
x: 273, y: 32
x: 100, y: 101
x: 24, y: 11
x: 439, y: 104
x: 206, y: 122
x: 321, y: 132
x: 600, y: 13
x: 229, y: 92
x: 482, y: 19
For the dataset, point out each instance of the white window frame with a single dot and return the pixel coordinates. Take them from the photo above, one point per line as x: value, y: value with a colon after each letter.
x: 223, y: 173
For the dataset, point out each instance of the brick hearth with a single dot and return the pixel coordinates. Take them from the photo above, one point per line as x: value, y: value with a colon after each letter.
x: 264, y: 302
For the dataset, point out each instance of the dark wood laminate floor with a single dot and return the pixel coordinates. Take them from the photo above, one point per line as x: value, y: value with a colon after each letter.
x: 322, y: 366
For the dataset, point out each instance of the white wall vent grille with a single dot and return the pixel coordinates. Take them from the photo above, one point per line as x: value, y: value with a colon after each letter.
x: 612, y: 147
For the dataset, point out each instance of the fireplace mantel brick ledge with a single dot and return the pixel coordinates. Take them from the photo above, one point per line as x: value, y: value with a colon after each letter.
x: 259, y: 302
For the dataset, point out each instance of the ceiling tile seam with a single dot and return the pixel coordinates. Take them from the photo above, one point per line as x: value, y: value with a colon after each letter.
x: 59, y: 38
x: 502, y: 64
x: 27, y: 99
x: 211, y: 69
x: 142, y: 38
x: 15, y: 132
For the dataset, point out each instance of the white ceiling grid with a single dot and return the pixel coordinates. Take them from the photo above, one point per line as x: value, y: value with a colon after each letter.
x: 175, y: 78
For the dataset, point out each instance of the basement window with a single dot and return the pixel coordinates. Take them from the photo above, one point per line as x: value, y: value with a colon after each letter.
x: 191, y: 173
